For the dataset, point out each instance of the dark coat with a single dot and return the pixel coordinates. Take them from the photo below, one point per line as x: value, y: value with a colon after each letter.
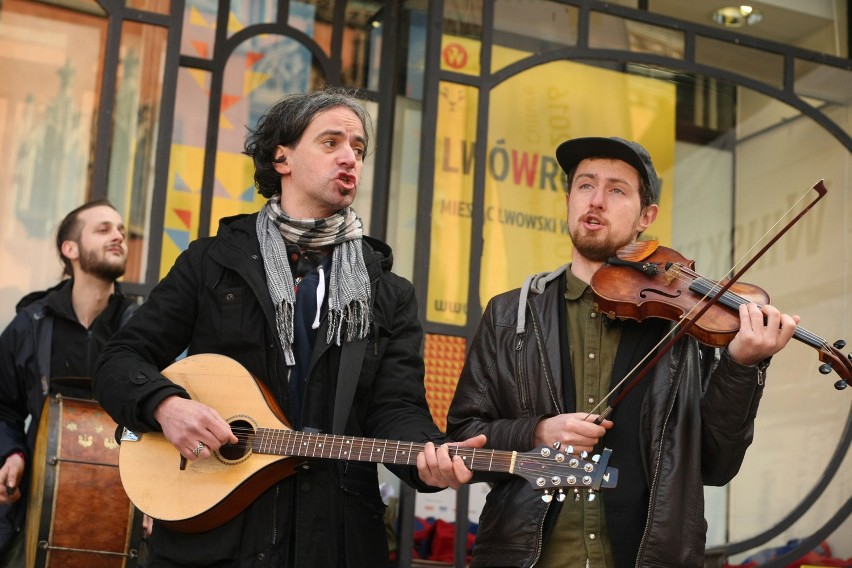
x: 695, y: 421
x: 215, y: 300
x: 25, y: 372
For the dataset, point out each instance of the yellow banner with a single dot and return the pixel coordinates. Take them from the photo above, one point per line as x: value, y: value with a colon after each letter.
x: 525, y: 226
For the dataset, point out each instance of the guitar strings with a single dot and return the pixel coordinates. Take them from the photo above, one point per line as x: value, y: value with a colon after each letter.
x: 327, y: 445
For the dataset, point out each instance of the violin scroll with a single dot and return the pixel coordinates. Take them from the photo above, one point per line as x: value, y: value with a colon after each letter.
x: 833, y: 360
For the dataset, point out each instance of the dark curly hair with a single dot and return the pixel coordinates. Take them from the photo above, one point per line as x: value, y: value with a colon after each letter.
x: 285, y: 122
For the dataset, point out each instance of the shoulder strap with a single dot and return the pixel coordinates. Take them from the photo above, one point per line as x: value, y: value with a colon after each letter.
x: 43, y: 336
x: 351, y: 359
x: 129, y: 310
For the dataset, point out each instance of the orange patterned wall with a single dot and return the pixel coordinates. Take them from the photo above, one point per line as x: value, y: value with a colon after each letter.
x: 444, y: 356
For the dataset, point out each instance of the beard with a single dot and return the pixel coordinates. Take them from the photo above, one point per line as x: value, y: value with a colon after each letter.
x: 102, y: 268
x: 594, y: 249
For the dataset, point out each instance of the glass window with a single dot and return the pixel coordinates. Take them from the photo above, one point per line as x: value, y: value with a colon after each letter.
x: 523, y: 28
x: 51, y: 60
x: 246, y: 13
x: 198, y: 37
x: 613, y: 32
x: 746, y: 61
x: 817, y: 26
x: 452, y: 204
x: 362, y: 43
x: 157, y: 6
x: 462, y: 36
x: 186, y: 164
x: 136, y: 117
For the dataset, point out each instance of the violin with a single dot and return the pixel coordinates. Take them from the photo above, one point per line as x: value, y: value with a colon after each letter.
x: 646, y: 280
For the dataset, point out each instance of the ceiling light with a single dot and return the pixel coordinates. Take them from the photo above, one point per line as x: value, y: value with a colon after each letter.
x: 737, y: 16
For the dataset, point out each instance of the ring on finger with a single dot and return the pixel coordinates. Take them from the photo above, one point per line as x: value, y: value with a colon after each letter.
x: 198, y: 449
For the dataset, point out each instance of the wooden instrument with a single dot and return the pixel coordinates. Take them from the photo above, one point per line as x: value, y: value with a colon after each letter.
x: 199, y: 495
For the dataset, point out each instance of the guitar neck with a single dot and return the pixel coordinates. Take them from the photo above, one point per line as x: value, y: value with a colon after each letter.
x: 316, y: 445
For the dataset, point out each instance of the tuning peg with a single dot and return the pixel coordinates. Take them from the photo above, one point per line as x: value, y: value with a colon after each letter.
x: 569, y: 449
x: 584, y: 454
x: 839, y: 344
x: 825, y: 368
x: 592, y: 496
x: 576, y: 494
x: 556, y: 445
x: 547, y: 497
x: 560, y: 496
x: 596, y: 458
x: 841, y: 384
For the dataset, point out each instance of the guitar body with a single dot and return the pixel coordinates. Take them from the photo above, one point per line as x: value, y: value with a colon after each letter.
x: 199, y: 495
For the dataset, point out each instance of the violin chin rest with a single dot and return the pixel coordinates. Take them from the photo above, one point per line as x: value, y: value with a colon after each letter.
x: 637, y: 250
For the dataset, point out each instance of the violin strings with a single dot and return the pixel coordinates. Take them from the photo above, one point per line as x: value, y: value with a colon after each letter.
x: 808, y: 336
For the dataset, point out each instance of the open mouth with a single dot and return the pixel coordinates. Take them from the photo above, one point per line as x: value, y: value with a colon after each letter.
x: 347, y: 181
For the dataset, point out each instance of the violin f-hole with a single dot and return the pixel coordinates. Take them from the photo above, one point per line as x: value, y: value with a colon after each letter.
x: 645, y: 291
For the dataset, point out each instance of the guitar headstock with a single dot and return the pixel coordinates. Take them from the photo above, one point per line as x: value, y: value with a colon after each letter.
x: 554, y: 471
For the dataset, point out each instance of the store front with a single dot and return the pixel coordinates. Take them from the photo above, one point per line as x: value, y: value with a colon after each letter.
x: 147, y: 102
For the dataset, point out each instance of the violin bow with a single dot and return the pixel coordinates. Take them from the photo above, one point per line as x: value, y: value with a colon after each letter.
x: 687, y: 324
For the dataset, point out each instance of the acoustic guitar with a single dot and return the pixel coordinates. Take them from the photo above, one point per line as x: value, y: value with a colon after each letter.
x: 199, y: 495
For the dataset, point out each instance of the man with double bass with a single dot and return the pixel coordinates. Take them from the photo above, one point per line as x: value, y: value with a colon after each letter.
x: 543, y: 359
x: 56, y: 333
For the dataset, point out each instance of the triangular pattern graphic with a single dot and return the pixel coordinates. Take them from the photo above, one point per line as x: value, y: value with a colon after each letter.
x: 229, y: 100
x: 219, y: 190
x: 253, y: 57
x: 180, y: 184
x: 248, y: 194
x: 234, y: 24
x: 184, y: 215
x: 196, y: 18
x: 200, y: 77
x: 179, y: 238
x: 252, y: 81
x: 202, y: 48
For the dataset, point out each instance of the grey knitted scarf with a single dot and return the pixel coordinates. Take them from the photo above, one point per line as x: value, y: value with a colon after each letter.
x: 349, y: 283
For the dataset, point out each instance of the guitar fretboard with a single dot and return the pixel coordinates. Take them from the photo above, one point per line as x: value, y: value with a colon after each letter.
x: 315, y: 445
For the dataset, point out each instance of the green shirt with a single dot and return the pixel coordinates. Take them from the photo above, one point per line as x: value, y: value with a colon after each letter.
x: 579, y: 537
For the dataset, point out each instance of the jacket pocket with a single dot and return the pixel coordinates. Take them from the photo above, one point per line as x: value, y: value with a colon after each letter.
x: 230, y: 318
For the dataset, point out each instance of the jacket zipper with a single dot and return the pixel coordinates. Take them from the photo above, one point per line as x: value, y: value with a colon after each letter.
x: 652, y: 498
x: 540, y: 542
x: 548, y: 375
x: 540, y: 343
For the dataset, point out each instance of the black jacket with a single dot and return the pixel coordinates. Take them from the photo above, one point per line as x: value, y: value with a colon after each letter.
x: 695, y: 422
x: 215, y: 300
x: 26, y: 361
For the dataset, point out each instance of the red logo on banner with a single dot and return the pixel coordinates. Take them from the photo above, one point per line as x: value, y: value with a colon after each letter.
x: 455, y: 56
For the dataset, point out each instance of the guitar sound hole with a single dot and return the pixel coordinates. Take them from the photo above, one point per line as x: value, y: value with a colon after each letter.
x: 244, y: 431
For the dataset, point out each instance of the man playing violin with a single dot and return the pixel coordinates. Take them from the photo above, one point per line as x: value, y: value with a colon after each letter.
x: 543, y: 359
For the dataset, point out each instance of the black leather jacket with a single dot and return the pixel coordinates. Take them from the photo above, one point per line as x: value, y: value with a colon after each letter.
x: 696, y: 421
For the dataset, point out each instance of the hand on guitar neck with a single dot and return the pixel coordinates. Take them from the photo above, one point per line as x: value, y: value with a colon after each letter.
x: 437, y: 468
x: 208, y: 468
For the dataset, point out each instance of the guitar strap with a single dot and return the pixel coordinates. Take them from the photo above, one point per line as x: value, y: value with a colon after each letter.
x: 351, y: 358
